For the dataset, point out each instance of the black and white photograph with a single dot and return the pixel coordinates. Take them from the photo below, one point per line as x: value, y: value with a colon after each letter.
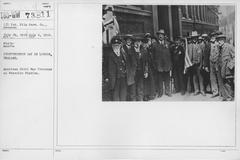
x: 168, y: 52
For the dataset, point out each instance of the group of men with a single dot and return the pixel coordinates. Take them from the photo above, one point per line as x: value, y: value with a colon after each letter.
x: 142, y: 68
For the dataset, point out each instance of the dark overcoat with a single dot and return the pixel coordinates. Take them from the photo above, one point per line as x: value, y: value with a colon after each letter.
x: 178, y: 56
x: 131, y: 64
x: 114, y: 67
x: 161, y: 57
x: 206, y: 55
x: 149, y: 83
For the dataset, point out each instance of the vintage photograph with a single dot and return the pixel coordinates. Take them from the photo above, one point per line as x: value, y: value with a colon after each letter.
x: 168, y: 52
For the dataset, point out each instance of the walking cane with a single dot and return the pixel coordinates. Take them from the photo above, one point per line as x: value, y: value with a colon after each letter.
x: 171, y: 83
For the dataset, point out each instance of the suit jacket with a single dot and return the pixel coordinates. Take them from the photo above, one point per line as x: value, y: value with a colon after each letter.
x: 206, y: 55
x: 194, y: 52
x: 178, y: 56
x: 214, y: 52
x: 201, y: 50
x: 131, y: 64
x: 161, y: 56
x: 226, y: 59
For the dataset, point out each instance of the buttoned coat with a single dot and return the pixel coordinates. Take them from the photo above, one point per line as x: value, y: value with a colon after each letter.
x: 114, y: 67
x: 131, y: 64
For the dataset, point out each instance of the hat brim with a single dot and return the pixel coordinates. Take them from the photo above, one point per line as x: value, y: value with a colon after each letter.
x: 160, y: 33
x: 137, y: 39
x: 128, y: 37
x: 195, y: 36
x: 222, y: 37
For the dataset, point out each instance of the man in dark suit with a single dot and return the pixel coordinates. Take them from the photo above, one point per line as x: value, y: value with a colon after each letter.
x: 206, y: 63
x: 162, y: 61
x: 149, y: 80
x: 131, y: 65
x: 141, y: 69
x: 178, y: 56
x: 117, y: 71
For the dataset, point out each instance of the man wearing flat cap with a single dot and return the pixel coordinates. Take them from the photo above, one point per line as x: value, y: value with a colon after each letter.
x: 117, y: 71
x: 162, y: 62
x: 226, y: 66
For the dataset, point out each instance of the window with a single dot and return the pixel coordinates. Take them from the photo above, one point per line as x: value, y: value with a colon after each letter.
x: 190, y: 11
x: 184, y: 13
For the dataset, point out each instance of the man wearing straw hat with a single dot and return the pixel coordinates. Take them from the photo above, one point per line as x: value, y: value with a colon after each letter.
x: 163, y: 64
x: 195, y: 54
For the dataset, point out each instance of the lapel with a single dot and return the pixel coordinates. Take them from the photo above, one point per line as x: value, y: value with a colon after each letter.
x: 224, y: 48
x: 123, y: 53
x: 115, y: 57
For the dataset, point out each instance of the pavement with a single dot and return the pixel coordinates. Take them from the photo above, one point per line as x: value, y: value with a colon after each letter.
x: 187, y: 97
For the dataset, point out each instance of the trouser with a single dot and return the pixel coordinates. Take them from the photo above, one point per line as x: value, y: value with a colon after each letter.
x: 216, y: 79
x: 149, y: 86
x: 132, y: 92
x: 188, y: 80
x: 156, y: 81
x: 139, y: 87
x: 164, y: 80
x: 226, y: 86
x: 178, y: 77
x: 228, y: 89
x: 120, y: 89
x: 206, y: 80
x: 197, y: 79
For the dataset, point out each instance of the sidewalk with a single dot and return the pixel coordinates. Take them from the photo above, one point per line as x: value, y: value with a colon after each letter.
x: 187, y: 97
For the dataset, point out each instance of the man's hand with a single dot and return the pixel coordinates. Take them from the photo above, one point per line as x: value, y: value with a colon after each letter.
x: 145, y: 75
x: 206, y: 69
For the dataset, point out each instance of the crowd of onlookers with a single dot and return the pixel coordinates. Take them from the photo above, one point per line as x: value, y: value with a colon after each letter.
x: 144, y: 67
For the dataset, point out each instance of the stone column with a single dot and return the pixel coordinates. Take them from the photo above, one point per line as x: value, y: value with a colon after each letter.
x: 155, y: 18
x: 193, y: 13
x: 187, y: 16
x: 170, y: 22
x: 180, y: 19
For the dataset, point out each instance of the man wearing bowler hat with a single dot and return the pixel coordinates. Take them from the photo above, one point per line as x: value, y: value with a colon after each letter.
x: 162, y: 62
x: 117, y: 71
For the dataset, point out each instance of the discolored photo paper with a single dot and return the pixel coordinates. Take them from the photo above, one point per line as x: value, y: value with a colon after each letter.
x: 119, y: 80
